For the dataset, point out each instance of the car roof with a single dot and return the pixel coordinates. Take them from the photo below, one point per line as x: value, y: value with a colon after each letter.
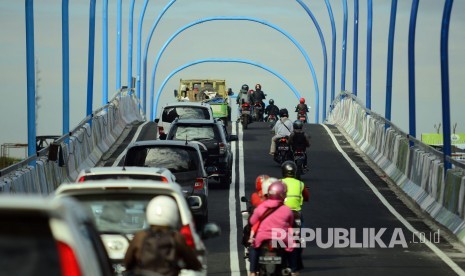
x: 196, y: 104
x: 165, y: 143
x: 195, y: 121
x: 128, y: 170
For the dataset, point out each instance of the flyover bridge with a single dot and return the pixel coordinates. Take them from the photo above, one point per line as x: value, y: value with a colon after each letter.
x: 392, y: 204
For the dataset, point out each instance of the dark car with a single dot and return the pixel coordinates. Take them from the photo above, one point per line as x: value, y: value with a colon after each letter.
x: 184, y: 160
x: 213, y: 134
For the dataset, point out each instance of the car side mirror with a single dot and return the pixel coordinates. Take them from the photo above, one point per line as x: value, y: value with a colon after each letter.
x: 210, y: 230
x: 244, y: 199
x: 157, y: 120
x: 232, y: 137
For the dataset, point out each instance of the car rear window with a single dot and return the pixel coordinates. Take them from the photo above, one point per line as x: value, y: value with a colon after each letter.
x: 27, y: 246
x: 123, y: 176
x: 195, y: 132
x: 175, y: 159
x: 188, y: 112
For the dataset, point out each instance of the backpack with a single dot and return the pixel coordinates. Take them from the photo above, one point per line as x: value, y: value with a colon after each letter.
x: 158, y: 253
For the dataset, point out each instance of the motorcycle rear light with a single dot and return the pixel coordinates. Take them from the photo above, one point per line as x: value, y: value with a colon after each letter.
x: 222, y: 148
x: 199, y: 184
x: 69, y: 264
x: 187, y: 234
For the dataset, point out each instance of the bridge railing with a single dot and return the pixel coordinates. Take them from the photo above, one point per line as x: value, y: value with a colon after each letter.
x: 82, y: 148
x: 415, y: 167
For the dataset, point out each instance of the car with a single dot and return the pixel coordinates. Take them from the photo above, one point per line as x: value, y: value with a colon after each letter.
x: 213, y: 134
x: 118, y: 207
x: 186, y: 110
x: 100, y: 173
x: 183, y: 159
x: 47, y: 236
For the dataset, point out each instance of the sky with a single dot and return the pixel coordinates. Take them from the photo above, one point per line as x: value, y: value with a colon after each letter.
x: 245, y: 40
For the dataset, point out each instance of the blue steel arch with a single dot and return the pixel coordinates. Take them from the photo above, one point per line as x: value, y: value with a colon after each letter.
x: 315, y: 81
x: 155, y: 104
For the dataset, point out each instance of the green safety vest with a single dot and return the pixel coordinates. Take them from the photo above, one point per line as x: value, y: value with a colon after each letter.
x: 294, y: 198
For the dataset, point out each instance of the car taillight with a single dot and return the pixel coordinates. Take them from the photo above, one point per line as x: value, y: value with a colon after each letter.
x: 164, y: 179
x: 199, y: 183
x: 68, y: 261
x: 222, y: 148
x: 82, y: 179
x: 187, y: 234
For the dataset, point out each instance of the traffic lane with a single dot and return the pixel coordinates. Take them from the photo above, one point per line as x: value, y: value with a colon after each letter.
x: 340, y: 199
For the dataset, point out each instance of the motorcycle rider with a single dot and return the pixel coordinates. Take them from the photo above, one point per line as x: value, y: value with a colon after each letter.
x: 297, y: 193
x: 298, y: 140
x: 282, y: 128
x: 271, y: 109
x: 272, y: 214
x: 259, y: 96
x: 302, y: 106
x: 257, y: 197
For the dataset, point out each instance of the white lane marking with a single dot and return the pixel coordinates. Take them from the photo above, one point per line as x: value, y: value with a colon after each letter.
x: 457, y: 269
x: 242, y: 181
x: 136, y: 135
x: 233, y: 253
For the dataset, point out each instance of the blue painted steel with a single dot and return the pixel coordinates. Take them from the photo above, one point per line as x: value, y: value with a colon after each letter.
x: 65, y: 65
x: 147, y: 44
x: 118, y: 44
x: 333, y: 49
x: 369, y: 54
x: 315, y: 81
x: 155, y: 105
x: 344, y: 47
x: 445, y: 83
x: 411, y: 68
x: 139, y: 46
x: 130, y: 39
x: 90, y: 58
x: 325, y: 56
x: 355, y: 50
x: 105, y: 52
x: 31, y: 80
x: 392, y: 29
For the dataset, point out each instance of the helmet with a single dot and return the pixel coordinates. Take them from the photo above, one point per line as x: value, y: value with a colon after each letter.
x: 267, y: 184
x: 245, y: 87
x: 289, y: 169
x: 258, y: 86
x: 283, y: 113
x: 271, y: 101
x: 302, y: 100
x: 277, y: 190
x: 250, y: 91
x: 259, y: 181
x: 298, y: 124
x: 163, y: 211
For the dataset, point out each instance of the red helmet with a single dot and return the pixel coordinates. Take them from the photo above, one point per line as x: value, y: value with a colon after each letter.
x: 277, y: 190
x: 302, y: 100
x: 259, y: 181
x: 250, y: 91
x: 258, y: 86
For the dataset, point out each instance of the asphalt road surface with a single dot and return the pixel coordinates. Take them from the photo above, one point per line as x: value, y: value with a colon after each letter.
x: 361, y: 225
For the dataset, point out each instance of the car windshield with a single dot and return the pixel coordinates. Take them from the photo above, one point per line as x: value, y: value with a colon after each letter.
x: 175, y: 159
x: 188, y: 112
x: 194, y: 132
x: 117, y: 213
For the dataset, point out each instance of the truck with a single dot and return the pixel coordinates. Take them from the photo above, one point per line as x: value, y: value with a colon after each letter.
x: 210, y: 91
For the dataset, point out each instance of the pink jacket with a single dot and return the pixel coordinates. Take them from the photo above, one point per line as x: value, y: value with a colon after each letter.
x: 280, y: 218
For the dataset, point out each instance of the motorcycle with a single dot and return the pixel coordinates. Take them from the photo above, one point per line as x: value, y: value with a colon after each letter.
x: 258, y: 112
x: 299, y: 160
x: 271, y: 119
x: 283, y: 152
x: 246, y: 118
x: 302, y: 116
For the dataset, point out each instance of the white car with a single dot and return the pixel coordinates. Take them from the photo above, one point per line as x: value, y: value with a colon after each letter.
x: 119, y: 207
x: 141, y: 173
x: 182, y: 110
x: 45, y: 236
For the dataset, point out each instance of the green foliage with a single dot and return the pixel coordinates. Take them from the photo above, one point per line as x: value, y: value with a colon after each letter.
x: 7, y: 161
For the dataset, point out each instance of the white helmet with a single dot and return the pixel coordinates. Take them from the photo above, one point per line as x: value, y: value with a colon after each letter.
x: 266, y: 184
x: 163, y: 211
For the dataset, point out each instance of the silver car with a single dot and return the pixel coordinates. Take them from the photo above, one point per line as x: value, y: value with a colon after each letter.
x: 141, y: 173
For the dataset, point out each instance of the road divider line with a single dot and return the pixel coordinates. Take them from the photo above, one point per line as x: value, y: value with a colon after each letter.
x: 136, y: 135
x: 242, y: 180
x: 457, y: 269
x: 233, y: 249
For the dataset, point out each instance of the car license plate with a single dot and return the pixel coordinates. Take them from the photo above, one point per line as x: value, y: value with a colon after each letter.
x: 269, y: 259
x: 246, y: 112
x: 283, y: 148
